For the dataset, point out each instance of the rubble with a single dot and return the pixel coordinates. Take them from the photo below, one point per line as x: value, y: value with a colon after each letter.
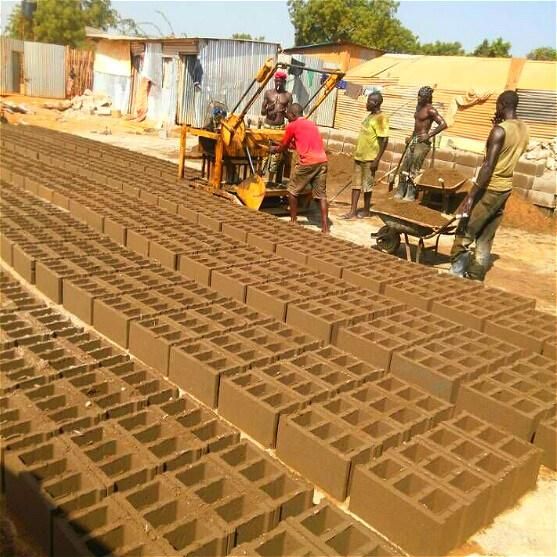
x: 543, y: 150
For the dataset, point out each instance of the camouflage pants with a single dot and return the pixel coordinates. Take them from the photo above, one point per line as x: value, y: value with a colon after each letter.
x: 484, y: 220
x: 413, y: 160
x: 273, y: 161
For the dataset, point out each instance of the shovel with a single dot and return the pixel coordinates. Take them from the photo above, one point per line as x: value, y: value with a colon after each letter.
x: 251, y: 190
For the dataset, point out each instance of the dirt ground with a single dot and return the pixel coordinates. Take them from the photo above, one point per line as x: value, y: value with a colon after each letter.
x: 524, y: 262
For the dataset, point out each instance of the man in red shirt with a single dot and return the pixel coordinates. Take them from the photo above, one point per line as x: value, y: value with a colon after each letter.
x: 311, y: 169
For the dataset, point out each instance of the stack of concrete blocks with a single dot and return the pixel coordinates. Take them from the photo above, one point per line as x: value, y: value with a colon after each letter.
x: 531, y: 179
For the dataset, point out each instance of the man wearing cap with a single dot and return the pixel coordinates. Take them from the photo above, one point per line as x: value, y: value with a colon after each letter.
x: 419, y: 143
x: 275, y: 104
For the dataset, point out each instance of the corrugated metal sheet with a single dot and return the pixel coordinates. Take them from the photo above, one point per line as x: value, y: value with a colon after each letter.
x: 8, y: 70
x: 304, y: 87
x: 163, y: 100
x: 227, y: 67
x: 45, y: 70
x: 117, y: 87
x: 179, y: 46
x: 137, y: 48
x: 537, y: 106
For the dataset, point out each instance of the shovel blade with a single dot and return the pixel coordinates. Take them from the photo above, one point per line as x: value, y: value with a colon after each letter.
x: 252, y: 191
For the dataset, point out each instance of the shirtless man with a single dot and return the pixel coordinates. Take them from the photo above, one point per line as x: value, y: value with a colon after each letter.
x: 276, y: 102
x: 419, y: 144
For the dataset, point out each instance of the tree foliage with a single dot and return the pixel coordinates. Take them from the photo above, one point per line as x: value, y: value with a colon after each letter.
x: 64, y: 21
x: 442, y: 49
x: 542, y: 53
x: 497, y: 48
x: 247, y: 37
x: 369, y: 22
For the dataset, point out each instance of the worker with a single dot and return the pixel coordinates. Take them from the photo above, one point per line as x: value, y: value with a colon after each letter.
x: 311, y: 168
x: 482, y: 209
x: 419, y: 144
x: 371, y: 144
x: 276, y: 102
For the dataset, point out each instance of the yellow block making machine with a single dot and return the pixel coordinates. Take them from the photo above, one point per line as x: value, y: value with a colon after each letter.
x: 234, y: 154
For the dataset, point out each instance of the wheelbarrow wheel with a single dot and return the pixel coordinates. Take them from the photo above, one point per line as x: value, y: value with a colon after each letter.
x: 387, y: 239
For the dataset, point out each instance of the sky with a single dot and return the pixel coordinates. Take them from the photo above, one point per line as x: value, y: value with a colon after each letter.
x: 526, y: 24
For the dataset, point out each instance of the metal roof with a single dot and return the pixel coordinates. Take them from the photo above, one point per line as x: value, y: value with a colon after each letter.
x: 332, y: 43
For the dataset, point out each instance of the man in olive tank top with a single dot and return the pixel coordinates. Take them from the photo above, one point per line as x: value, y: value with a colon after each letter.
x: 482, y: 209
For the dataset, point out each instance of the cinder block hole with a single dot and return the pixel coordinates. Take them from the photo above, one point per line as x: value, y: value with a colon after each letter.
x: 217, y: 490
x: 367, y: 394
x: 235, y: 509
x: 188, y: 533
x: 282, y: 543
x: 417, y: 452
x: 411, y: 485
x: 326, y: 431
x: 324, y: 520
x: 525, y: 406
x: 150, y: 434
x: 349, y: 541
x: 378, y: 430
x: 405, y: 416
x: 147, y: 495
x: 279, y: 487
x: 356, y: 417
x: 92, y: 520
x: 544, y: 395
x: 308, y: 419
x: 209, y: 430
x: 118, y: 466
x: 198, y: 473
x: 137, y: 420
x: 278, y: 400
x: 259, y: 470
x: 245, y: 379
x: 467, y: 450
x: 438, y: 502
x: 468, y: 423
x: 409, y: 393
x: 503, y: 396
x: 62, y: 487
x: 348, y: 444
x: 165, y: 514
x: 466, y: 482
x: 261, y: 390
x: 103, y: 451
x: 239, y: 455
x: 515, y: 448
x: 490, y: 435
x: 387, y: 469
x: 429, y: 404
x: 491, y: 464
x: 391, y: 384
x: 37, y: 455
x: 384, y: 405
x: 307, y: 389
x: 440, y: 467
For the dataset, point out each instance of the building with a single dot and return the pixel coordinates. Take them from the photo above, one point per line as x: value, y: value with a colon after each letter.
x: 345, y: 55
x: 174, y: 80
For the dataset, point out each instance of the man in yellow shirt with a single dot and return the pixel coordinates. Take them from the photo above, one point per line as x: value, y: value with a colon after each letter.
x: 482, y: 210
x: 370, y: 147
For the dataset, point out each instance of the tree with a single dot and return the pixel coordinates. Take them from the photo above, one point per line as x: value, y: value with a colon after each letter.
x: 64, y: 21
x: 247, y: 37
x: 368, y: 22
x: 442, y: 49
x: 542, y: 53
x: 60, y: 22
x: 99, y: 14
x: 496, y: 49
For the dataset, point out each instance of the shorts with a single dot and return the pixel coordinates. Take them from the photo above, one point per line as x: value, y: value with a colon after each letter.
x: 363, y: 177
x: 314, y: 175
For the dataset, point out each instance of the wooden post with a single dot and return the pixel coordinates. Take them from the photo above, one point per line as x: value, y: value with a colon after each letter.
x: 182, y: 155
x: 216, y: 175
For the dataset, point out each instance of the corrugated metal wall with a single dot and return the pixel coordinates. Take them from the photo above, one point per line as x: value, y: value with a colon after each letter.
x: 304, y: 87
x: 7, y: 69
x: 539, y: 110
x: 117, y: 87
x: 45, y: 70
x: 227, y: 68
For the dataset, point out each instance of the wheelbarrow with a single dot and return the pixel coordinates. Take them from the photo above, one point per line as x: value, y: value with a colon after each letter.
x: 428, y: 225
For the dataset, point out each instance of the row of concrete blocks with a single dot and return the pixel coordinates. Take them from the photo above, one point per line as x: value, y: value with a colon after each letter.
x: 94, y: 484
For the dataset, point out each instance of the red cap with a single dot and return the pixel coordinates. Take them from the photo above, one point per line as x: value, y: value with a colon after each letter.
x: 280, y: 75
